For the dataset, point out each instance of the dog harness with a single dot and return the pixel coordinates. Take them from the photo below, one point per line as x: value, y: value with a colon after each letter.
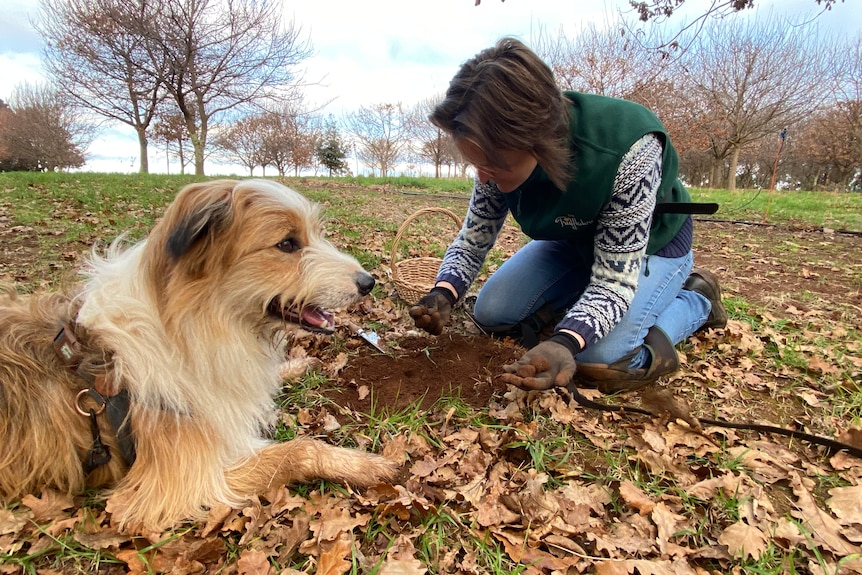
x: 103, y: 390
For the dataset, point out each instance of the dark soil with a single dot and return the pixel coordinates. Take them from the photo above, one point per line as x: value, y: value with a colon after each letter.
x: 424, y: 370
x: 793, y: 274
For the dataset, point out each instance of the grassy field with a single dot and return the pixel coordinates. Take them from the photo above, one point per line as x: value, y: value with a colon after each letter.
x: 530, y: 483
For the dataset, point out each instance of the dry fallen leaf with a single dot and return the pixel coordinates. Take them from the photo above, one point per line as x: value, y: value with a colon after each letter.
x: 254, y: 562
x: 334, y: 556
x: 52, y: 505
x: 824, y: 529
x: 11, y: 522
x: 627, y: 567
x: 743, y: 540
x: 668, y: 524
x: 635, y: 497
x: 402, y: 567
x: 846, y: 503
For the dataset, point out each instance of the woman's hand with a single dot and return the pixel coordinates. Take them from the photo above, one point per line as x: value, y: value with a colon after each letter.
x: 431, y: 313
x: 549, y: 364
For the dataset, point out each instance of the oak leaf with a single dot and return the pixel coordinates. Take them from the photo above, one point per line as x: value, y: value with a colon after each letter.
x: 254, y: 562
x: 846, y: 503
x: 668, y: 524
x: 823, y: 528
x: 628, y: 566
x: 402, y: 567
x: 11, y: 522
x: 52, y: 505
x: 520, y: 551
x: 334, y: 556
x: 334, y: 522
x: 636, y: 498
x: 743, y: 540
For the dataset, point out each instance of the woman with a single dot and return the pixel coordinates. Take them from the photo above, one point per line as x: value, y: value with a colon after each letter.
x: 593, y: 182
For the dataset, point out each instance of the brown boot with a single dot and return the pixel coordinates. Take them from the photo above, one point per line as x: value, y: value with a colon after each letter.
x: 618, y: 376
x: 706, y: 284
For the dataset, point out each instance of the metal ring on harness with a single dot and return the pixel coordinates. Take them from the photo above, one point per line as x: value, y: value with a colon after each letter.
x: 81, y: 410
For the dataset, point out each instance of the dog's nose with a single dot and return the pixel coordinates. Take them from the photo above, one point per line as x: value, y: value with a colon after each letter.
x: 364, y: 283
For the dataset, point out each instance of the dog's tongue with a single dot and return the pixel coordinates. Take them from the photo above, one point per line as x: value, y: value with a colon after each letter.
x: 316, y: 319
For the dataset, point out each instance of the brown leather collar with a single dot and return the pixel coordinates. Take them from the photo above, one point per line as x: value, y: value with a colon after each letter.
x: 68, y: 349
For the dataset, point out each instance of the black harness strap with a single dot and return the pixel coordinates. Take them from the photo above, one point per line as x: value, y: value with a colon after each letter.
x: 685, y: 208
x: 117, y: 412
x: 99, y: 454
x: 116, y: 405
x: 832, y: 446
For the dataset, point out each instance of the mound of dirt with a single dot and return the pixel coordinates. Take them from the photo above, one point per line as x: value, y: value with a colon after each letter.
x: 423, y: 370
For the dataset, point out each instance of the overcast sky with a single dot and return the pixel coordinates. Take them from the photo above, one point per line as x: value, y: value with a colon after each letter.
x: 374, y: 51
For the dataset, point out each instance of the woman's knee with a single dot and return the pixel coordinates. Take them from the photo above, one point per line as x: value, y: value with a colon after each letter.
x: 492, y: 311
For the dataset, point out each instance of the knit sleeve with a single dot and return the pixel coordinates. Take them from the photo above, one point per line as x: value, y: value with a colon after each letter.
x: 620, y: 243
x: 465, y: 256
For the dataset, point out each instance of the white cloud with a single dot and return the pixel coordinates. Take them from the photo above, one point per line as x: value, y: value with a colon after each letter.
x: 17, y: 68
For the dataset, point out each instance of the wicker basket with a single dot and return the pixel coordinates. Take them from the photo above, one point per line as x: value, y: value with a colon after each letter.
x: 415, y: 277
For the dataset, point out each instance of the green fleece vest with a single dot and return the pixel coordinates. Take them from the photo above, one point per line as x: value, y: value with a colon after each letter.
x: 602, y: 130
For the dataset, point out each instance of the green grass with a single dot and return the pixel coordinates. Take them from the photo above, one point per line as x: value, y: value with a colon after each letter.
x: 129, y: 197
x: 67, y: 211
x: 834, y: 210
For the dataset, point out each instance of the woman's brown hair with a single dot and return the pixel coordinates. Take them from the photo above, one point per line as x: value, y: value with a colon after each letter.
x: 506, y: 98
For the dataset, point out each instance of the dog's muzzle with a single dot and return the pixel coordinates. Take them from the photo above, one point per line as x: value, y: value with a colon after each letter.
x: 314, y: 318
x: 310, y: 317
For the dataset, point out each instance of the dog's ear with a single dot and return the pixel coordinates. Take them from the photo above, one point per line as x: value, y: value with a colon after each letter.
x: 207, y: 220
x: 203, y: 211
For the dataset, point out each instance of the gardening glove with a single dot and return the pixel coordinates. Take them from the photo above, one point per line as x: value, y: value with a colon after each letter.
x: 432, y: 311
x: 550, y: 363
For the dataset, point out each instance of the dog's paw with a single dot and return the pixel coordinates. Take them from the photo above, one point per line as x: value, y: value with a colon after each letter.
x: 296, y: 367
x: 378, y: 469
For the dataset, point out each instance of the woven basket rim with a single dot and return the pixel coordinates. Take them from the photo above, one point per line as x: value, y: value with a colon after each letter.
x: 404, y: 272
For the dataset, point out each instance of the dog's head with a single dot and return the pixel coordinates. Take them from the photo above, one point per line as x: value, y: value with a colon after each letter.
x: 250, y: 250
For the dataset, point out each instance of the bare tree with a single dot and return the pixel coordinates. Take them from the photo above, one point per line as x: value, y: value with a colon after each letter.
x: 749, y: 80
x: 849, y: 94
x: 243, y: 141
x: 41, y: 132
x: 170, y: 129
x: 302, y: 133
x: 826, y: 154
x: 221, y: 56
x: 275, y: 150
x: 432, y: 145
x: 602, y: 60
x: 382, y: 132
x: 6, y: 117
x: 288, y: 138
x: 657, y: 9
x: 93, y: 51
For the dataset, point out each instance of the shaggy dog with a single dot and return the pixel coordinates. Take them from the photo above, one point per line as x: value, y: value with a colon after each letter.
x: 168, y: 356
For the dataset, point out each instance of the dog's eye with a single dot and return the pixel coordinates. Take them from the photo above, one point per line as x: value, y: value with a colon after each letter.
x: 288, y: 245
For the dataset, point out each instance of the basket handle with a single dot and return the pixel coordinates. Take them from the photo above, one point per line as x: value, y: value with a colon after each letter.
x: 445, y: 211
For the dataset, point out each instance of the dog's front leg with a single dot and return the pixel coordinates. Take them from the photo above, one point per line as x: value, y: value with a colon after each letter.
x: 302, y: 460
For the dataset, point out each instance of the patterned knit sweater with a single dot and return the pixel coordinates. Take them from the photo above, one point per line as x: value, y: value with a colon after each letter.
x: 621, y: 235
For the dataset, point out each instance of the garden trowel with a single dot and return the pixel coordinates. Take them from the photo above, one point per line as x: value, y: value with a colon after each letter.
x: 370, y: 336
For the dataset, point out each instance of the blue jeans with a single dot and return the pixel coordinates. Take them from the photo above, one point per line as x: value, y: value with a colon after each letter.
x: 549, y: 272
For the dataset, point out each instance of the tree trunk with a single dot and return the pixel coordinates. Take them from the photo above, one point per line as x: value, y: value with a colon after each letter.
x: 199, y: 157
x: 197, y: 135
x: 182, y: 156
x: 142, y: 150
x: 731, y: 173
x: 715, y: 174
